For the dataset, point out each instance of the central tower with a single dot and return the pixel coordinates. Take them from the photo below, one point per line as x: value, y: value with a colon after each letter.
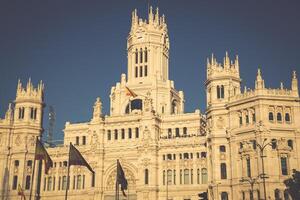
x: 148, y: 49
x: 148, y: 70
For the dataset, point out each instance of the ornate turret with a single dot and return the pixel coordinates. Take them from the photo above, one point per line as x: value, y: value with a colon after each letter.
x: 295, y: 83
x: 36, y: 94
x: 259, y: 82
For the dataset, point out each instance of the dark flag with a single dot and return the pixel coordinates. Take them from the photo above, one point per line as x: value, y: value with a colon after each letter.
x: 75, y: 158
x: 121, y: 180
x: 42, y: 154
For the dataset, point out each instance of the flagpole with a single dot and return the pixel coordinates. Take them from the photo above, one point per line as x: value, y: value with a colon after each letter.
x: 68, y: 176
x: 33, y: 171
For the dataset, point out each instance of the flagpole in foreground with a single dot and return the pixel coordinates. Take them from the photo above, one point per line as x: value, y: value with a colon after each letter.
x: 33, y: 170
x: 68, y: 176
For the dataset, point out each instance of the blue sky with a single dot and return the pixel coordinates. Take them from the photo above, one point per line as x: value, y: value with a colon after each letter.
x: 78, y: 47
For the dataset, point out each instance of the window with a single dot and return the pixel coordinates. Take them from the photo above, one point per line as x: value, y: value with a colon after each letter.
x: 222, y: 148
x: 241, y: 120
x: 78, y: 186
x: 169, y: 177
x: 191, y: 154
x: 192, y: 176
x: 29, y: 163
x: 174, y: 156
x: 129, y: 133
x: 93, y: 180
x: 203, y: 154
x: 146, y: 55
x: 169, y: 156
x: 141, y: 71
x: 284, y: 169
x: 254, y: 144
x: 274, y: 143
x: 164, y: 177
x: 27, y: 182
x: 15, y: 182
x: 177, y: 132
x: 198, y: 176
x: 31, y: 113
x: 64, y: 183
x: 77, y: 140
x: 253, y: 117
x: 224, y: 196
x: 287, y: 117
x: 180, y: 156
x: 174, y: 177
x: 204, y: 176
x: 116, y: 134
x: 220, y: 92
x: 174, y: 107
x: 17, y: 163
x: 146, y: 176
x: 186, y: 176
x: 146, y: 70
x: 184, y: 131
x: 279, y: 117
x: 141, y: 55
x: 169, y: 132
x: 277, y: 194
x: 164, y: 157
x: 65, y: 163
x: 21, y: 113
x: 83, y: 181
x: 136, y: 104
x: 185, y: 156
x: 136, y: 72
x: 49, y: 184
x: 223, y: 171
x: 83, y: 140
x: 54, y: 183
x: 247, y: 119
x: 109, y: 135
x: 136, y: 132
x: 248, y: 167
x: 136, y: 56
x: 271, y: 117
x: 290, y: 143
x: 59, y: 182
x: 180, y: 178
x: 123, y: 133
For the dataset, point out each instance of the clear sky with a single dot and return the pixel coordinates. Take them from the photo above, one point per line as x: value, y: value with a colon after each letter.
x: 78, y: 47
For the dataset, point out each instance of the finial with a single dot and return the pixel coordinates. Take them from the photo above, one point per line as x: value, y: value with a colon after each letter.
x: 212, y: 59
x: 163, y: 18
x: 150, y: 15
x: 245, y: 89
x: 258, y: 72
x: 294, y: 74
x: 281, y: 85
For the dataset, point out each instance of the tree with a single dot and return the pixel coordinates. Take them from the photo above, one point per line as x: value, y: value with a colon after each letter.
x: 293, y: 185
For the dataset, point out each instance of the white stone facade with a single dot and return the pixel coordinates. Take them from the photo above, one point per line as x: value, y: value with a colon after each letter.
x: 165, y: 152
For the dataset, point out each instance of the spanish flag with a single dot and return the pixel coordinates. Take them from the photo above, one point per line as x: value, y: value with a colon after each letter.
x: 129, y: 92
x: 75, y: 158
x: 21, y: 192
x: 42, y: 154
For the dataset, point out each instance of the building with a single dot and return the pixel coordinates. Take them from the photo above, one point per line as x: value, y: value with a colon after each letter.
x: 165, y: 152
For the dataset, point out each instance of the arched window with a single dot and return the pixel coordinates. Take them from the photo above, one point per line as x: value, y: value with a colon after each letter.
x: 177, y: 132
x: 136, y: 72
x: 247, y: 119
x: 279, y: 117
x: 129, y: 133
x: 136, y: 104
x: 77, y: 140
x: 224, y: 196
x: 223, y: 171
x: 204, y: 176
x: 136, y: 56
x: 274, y: 143
x: 146, y: 70
x: 284, y: 167
x: 290, y: 143
x: 222, y: 148
x: 248, y: 161
x: 169, y: 177
x: 116, y: 134
x: 137, y: 132
x: 253, y: 117
x: 169, y: 132
x: 146, y: 176
x: 174, y: 107
x: 241, y: 120
x: 203, y: 154
x: 184, y: 131
x: 123, y: 133
x: 271, y: 117
x: 222, y: 91
x: 15, y: 182
x: 141, y: 71
x: 277, y: 194
x: 287, y: 117
x: 218, y: 92
x: 186, y: 176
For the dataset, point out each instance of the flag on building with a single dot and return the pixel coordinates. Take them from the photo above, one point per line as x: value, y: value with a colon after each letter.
x: 42, y: 154
x: 129, y: 92
x: 121, y: 179
x: 21, y: 192
x: 75, y: 158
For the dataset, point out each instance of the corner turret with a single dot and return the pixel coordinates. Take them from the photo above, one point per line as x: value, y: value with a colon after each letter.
x: 259, y: 82
x: 294, y: 86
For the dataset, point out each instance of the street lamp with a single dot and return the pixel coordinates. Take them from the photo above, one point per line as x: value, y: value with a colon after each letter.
x: 261, y: 148
x: 251, y: 181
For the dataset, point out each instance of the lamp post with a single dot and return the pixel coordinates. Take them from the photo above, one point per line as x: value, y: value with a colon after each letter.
x: 251, y: 181
x: 263, y: 176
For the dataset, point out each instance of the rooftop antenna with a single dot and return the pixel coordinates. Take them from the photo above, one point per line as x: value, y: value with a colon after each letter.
x: 51, y: 118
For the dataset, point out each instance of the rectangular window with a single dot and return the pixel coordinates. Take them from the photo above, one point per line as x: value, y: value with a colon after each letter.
x: 241, y: 120
x: 223, y: 171
x: 129, y: 133
x: 180, y: 178
x: 136, y: 72
x: 136, y: 57
x: 248, y: 167
x: 27, y: 183
x: 17, y: 163
x: 123, y: 133
x: 253, y: 117
x: 136, y: 132
x: 141, y: 71
x: 284, y: 169
x: 247, y: 119
x: 83, y: 181
x: 83, y: 140
x: 64, y: 183
x: 15, y: 182
x: 93, y: 180
x: 116, y: 134
x: 54, y: 183
x: 29, y: 163
x: 108, y: 135
x: 77, y: 140
x: 59, y: 182
x: 146, y: 70
x: 177, y: 132
x: 74, y: 181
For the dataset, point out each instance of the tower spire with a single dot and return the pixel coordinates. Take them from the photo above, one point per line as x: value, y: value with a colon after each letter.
x: 295, y: 83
